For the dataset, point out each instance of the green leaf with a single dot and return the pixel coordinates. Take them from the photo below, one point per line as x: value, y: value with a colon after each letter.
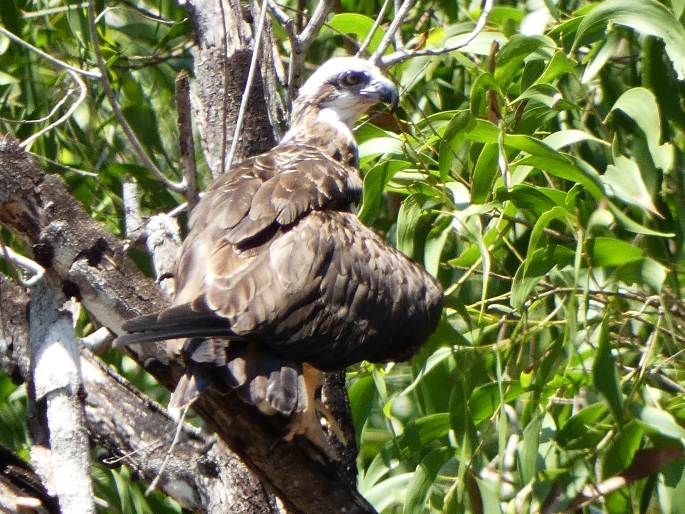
x: 645, y: 271
x: 657, y: 421
x: 606, y: 52
x: 11, y: 16
x: 648, y: 17
x: 568, y: 137
x: 357, y: 24
x: 489, y: 496
x: 536, y: 266
x: 605, y: 375
x: 422, y: 480
x: 361, y: 394
x: 143, y: 121
x: 518, y: 48
x: 484, y: 173
x: 528, y: 454
x: 559, y: 65
x: 484, y: 83
x: 555, y: 213
x: 485, y: 400
x: 579, y: 424
x: 563, y: 167
x: 633, y: 226
x: 640, y: 104
x: 435, y: 242
x: 622, y: 449
x: 388, y: 492
x: 624, y: 181
x: 605, y: 251
x: 452, y: 140
x: 374, y: 183
x: 535, y: 199
x: 407, y: 221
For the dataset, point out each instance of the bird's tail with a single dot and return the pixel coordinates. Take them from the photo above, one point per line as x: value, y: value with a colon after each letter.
x: 176, y: 322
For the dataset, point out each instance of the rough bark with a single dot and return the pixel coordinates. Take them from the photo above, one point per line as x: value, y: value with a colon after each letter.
x: 224, y: 42
x: 56, y: 383
x: 91, y: 265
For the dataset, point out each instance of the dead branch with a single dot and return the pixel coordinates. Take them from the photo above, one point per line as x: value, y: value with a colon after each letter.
x: 56, y: 382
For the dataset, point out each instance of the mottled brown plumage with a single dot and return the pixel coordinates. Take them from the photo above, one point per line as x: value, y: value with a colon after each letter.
x: 277, y: 271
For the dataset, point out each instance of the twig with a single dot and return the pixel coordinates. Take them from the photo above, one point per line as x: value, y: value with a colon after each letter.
x: 399, y: 43
x: 311, y: 30
x: 379, y: 19
x: 47, y: 56
x: 170, y: 451
x: 13, y: 258
x: 248, y: 86
x: 133, y: 221
x: 81, y: 98
x: 402, y: 54
x: 185, y: 136
x: 98, y: 341
x: 300, y: 43
x: 121, y: 119
x: 49, y: 115
x: 52, y: 10
x: 400, y: 15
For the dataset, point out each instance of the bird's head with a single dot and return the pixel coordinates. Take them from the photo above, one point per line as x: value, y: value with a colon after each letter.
x: 345, y: 88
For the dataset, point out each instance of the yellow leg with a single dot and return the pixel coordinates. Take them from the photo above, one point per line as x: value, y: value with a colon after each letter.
x: 307, y: 424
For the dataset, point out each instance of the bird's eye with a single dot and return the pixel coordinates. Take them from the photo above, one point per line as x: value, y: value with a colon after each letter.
x: 353, y: 78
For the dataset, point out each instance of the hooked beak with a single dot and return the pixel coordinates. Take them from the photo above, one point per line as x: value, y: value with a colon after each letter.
x: 383, y: 90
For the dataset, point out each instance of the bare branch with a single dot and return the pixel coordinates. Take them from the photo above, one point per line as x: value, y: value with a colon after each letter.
x: 402, y: 55
x: 49, y: 115
x: 311, y: 30
x: 185, y: 136
x: 300, y: 43
x: 248, y: 85
x: 47, y: 56
x: 202, y: 474
x: 56, y: 374
x: 163, y: 240
x: 133, y: 220
x: 24, y: 263
x: 400, y: 15
x: 121, y: 119
x: 374, y: 28
x: 98, y: 341
x: 72, y: 109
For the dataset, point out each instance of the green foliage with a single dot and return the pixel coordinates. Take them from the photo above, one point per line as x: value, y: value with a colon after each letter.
x: 544, y: 190
x: 541, y: 183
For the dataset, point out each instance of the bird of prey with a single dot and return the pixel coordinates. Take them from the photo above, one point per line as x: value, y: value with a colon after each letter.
x: 278, y: 279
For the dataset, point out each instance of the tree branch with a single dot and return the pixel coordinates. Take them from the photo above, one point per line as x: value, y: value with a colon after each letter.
x: 121, y: 119
x: 202, y: 475
x: 56, y: 380
x: 403, y: 54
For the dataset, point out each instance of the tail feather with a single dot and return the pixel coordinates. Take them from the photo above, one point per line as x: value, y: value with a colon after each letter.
x: 174, y: 323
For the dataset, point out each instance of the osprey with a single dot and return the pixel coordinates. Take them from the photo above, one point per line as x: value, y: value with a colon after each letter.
x: 278, y: 280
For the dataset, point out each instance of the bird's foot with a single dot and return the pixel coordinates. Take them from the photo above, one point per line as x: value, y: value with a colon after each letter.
x: 308, y: 425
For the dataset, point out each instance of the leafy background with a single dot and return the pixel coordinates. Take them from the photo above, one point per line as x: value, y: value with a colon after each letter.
x: 540, y: 179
